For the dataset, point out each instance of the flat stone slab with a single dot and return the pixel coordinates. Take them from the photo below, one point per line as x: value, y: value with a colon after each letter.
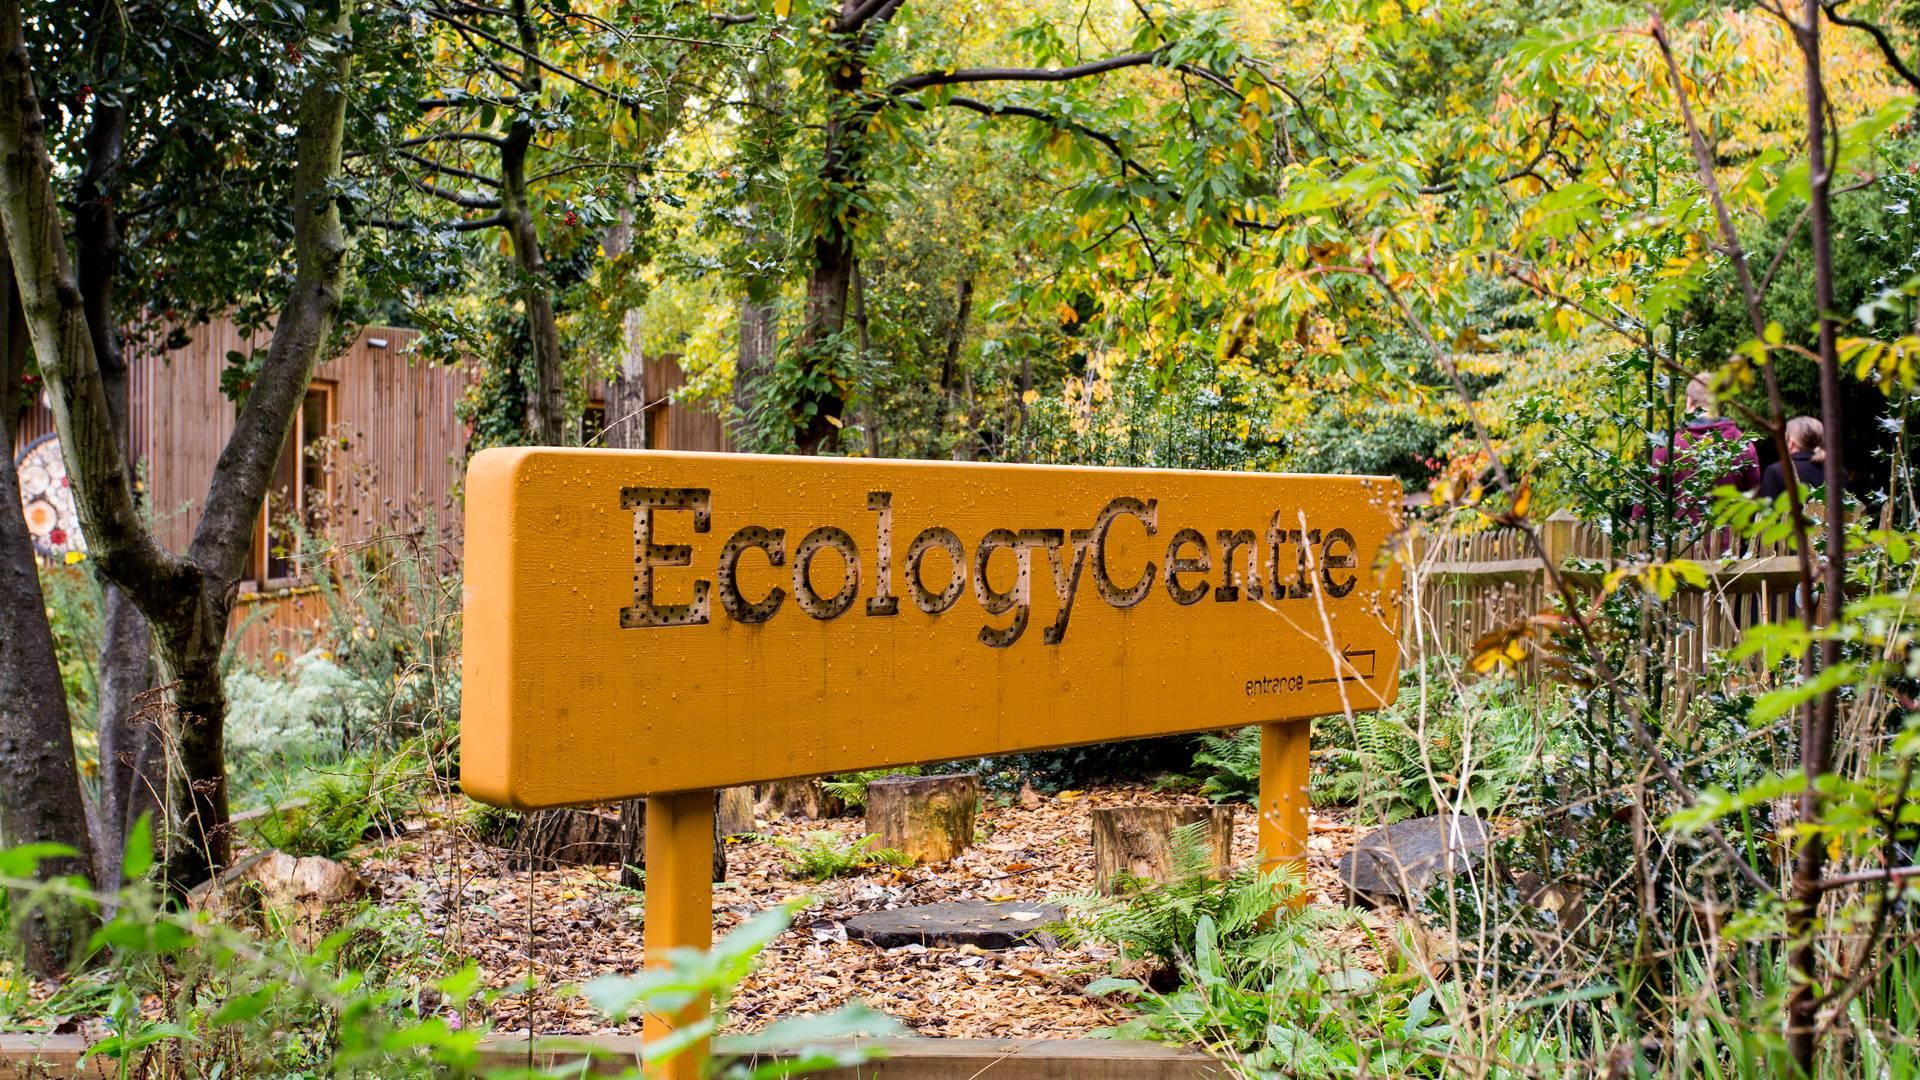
x: 984, y: 924
x: 1397, y: 863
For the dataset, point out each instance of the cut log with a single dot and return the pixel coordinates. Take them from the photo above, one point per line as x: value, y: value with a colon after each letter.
x: 633, y: 840
x: 1137, y: 841
x: 571, y: 836
x: 736, y: 811
x: 927, y: 817
x: 306, y: 898
x: 802, y: 800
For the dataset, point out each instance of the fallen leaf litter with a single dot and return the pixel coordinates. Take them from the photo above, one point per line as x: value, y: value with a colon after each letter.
x: 585, y: 925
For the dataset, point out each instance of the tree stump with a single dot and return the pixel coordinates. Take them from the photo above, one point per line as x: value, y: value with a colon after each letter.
x: 927, y: 817
x: 571, y: 836
x: 633, y: 839
x: 1138, y: 841
x: 803, y: 800
x: 736, y: 811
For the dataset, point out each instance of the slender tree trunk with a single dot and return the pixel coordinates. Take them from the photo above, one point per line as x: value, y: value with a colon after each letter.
x: 547, y: 394
x: 759, y: 326
x: 125, y: 665
x: 547, y: 398
x: 869, y: 414
x: 830, y: 278
x: 1818, y: 724
x: 40, y: 802
x: 950, y: 364
x: 759, y: 336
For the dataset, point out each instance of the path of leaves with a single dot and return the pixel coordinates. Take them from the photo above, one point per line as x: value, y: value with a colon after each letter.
x: 584, y: 924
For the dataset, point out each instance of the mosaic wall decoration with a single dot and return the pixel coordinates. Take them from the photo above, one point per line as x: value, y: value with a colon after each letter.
x: 46, y: 497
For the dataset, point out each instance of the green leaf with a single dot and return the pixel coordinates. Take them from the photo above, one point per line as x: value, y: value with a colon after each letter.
x: 24, y: 861
x: 243, y: 1007
x: 137, y: 858
x: 1777, y: 703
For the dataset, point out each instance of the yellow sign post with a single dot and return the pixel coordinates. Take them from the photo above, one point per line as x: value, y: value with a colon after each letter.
x: 664, y: 624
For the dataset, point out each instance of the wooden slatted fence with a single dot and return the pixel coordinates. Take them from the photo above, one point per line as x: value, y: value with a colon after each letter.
x: 1466, y: 585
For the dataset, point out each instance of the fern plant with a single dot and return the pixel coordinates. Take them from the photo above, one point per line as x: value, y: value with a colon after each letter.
x: 851, y: 788
x: 1159, y: 921
x: 825, y: 854
x: 1475, y: 753
x: 1234, y: 758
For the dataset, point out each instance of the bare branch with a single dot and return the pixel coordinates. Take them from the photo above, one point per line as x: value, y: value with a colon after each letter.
x: 449, y: 170
x: 463, y: 225
x: 1546, y: 147
x: 992, y: 109
x: 453, y: 136
x: 498, y: 42
x: 986, y: 75
x: 1880, y: 39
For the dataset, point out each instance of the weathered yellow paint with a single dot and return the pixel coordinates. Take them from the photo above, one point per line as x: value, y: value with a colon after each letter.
x: 607, y: 655
x: 679, y: 908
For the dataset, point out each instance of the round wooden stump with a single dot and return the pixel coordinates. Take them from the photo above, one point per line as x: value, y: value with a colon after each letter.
x: 927, y: 817
x: 1137, y: 841
x: 803, y: 800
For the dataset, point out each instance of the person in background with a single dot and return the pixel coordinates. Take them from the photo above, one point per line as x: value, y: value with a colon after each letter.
x: 1807, y: 446
x: 1702, y: 424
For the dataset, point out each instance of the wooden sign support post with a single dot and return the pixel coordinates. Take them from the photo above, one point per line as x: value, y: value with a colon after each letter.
x: 647, y: 623
x: 679, y: 910
x: 1285, y: 757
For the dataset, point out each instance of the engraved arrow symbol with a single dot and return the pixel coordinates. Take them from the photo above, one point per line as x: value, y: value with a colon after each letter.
x: 1349, y: 655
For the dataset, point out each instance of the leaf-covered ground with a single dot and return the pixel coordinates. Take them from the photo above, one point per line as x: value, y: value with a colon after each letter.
x: 583, y: 924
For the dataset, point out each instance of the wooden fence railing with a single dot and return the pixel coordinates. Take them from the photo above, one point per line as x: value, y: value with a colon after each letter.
x: 1464, y: 586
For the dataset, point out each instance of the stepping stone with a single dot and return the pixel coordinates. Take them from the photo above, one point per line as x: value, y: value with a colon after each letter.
x: 984, y: 924
x: 1396, y: 864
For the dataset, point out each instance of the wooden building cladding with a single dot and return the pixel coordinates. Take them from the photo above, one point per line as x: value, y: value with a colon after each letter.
x: 378, y: 447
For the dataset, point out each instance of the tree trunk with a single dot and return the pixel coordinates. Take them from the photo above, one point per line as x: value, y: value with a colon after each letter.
x: 186, y: 599
x: 570, y: 836
x: 927, y: 817
x: 1819, y: 723
x: 830, y: 278
x: 41, y: 800
x: 125, y: 669
x: 126, y: 672
x: 1136, y: 842
x: 759, y: 336
x: 547, y: 395
x: 950, y: 367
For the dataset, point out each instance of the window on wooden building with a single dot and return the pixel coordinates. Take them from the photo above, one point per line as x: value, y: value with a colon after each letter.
x: 298, y: 494
x: 593, y: 423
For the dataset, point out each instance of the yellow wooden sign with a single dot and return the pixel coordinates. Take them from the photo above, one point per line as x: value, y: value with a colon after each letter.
x: 642, y: 622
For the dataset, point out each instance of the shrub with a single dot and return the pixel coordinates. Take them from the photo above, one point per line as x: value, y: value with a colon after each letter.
x: 278, y: 722
x: 392, y: 624
x: 1234, y: 761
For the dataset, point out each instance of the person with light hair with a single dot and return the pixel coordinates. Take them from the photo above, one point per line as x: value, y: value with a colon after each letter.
x: 1807, y: 446
x: 1702, y: 427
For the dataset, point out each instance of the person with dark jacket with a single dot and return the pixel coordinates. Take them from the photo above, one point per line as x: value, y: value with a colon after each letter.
x: 1807, y: 446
